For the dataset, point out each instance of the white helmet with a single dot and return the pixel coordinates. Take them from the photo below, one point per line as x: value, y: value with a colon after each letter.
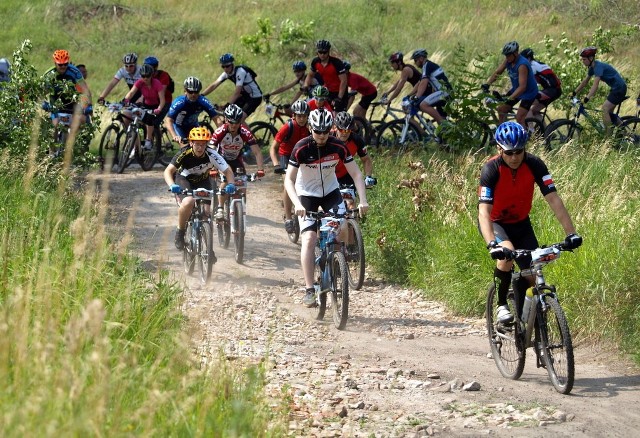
x: 320, y: 120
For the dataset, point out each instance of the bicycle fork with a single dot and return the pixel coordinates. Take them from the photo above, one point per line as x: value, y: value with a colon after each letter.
x: 232, y: 214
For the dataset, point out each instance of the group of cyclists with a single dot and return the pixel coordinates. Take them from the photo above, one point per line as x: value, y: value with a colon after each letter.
x: 315, y: 149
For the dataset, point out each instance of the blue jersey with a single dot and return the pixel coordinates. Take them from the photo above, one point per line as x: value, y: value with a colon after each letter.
x: 61, y: 94
x: 531, y: 91
x: 609, y: 76
x: 185, y: 112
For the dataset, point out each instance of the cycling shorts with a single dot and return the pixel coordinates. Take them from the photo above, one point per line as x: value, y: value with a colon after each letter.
x: 235, y: 165
x: 248, y: 104
x: 365, y: 101
x: 520, y: 234
x: 524, y: 103
x: 548, y: 95
x: 434, y: 98
x: 333, y: 201
x: 186, y: 185
x: 617, y: 97
x: 183, y: 130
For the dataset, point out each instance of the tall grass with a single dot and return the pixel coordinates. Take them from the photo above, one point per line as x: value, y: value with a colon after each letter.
x: 427, y: 234
x: 90, y: 343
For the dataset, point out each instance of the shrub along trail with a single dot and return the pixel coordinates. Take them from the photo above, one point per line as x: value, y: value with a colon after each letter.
x: 403, y: 367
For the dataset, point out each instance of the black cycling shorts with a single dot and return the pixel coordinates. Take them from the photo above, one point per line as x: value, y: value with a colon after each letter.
x: 520, y: 234
x: 248, y: 104
x: 185, y: 184
x: 365, y: 101
x: 311, y: 203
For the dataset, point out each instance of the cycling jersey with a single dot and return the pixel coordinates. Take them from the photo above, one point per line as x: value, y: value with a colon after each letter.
x: 609, y: 76
x: 436, y: 76
x: 196, y: 169
x: 185, y: 112
x: 511, y: 191
x: 130, y: 79
x: 63, y: 99
x: 242, y: 78
x: 313, y: 104
x: 150, y: 93
x: 360, y: 84
x: 317, y: 164
x: 165, y: 79
x: 544, y: 75
x: 355, y: 145
x: 531, y: 91
x: 330, y: 72
x: 230, y: 146
x: 416, y: 75
x: 289, y: 134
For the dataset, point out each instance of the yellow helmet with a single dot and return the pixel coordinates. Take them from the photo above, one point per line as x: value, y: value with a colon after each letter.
x: 199, y: 133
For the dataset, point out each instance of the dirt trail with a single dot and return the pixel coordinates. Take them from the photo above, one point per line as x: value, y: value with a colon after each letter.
x: 399, y: 367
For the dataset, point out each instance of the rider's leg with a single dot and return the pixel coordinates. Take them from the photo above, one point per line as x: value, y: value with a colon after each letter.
x: 307, y: 255
x: 503, y: 110
x: 184, y: 211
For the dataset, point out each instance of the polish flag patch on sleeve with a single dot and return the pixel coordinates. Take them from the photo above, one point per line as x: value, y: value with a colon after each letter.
x: 548, y: 181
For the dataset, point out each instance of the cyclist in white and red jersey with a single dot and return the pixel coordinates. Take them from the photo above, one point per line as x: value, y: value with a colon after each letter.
x: 547, y: 79
x: 229, y: 140
x: 408, y: 73
x: 289, y: 134
x: 130, y: 72
x: 311, y: 183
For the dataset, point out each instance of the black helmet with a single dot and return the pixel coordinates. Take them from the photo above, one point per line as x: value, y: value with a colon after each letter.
x: 418, y: 53
x: 323, y: 45
x: 146, y: 70
x: 527, y: 53
x: 343, y: 120
x: 233, y: 113
x: 300, y: 107
x: 130, y: 58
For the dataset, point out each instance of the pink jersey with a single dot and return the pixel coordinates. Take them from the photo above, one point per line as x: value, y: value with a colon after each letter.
x: 150, y: 94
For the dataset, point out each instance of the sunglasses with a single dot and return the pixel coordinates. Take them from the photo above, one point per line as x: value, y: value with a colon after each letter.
x: 192, y: 92
x: 323, y: 52
x: 146, y: 76
x: 344, y: 131
x: 130, y: 65
x: 515, y: 152
x: 225, y: 66
x: 321, y: 132
x: 62, y: 65
x: 233, y: 122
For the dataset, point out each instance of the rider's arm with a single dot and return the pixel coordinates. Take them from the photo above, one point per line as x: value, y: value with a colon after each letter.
x: 558, y: 208
x: 284, y: 88
x: 358, y: 181
x: 83, y: 89
x: 523, y: 75
x: 484, y: 221
x: 259, y: 158
x: 309, y: 79
x: 501, y: 68
x: 131, y: 93
x: 594, y: 87
x: 108, y: 89
x: 397, y: 87
x: 367, y: 164
x: 422, y: 87
x: 343, y: 85
x: 236, y: 94
x: 290, y: 186
x: 214, y: 85
x: 273, y: 152
x: 169, y: 174
x: 582, y: 84
x: 168, y: 123
x: 228, y: 173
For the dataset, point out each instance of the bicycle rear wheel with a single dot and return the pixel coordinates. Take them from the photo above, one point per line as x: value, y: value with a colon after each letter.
x: 339, y: 290
x: 504, y: 339
x: 354, y: 254
x: 264, y: 134
x: 361, y: 127
x: 189, y: 252
x: 206, y: 254
x: 238, y: 235
x: 535, y: 127
x: 627, y: 135
x: 390, y: 135
x: 167, y: 148
x: 561, y: 132
x: 108, y: 149
x: 557, y: 349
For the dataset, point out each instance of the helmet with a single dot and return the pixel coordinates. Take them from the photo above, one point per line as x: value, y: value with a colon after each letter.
x: 299, y: 66
x: 418, y: 53
x: 146, y: 70
x: 192, y: 84
x: 344, y: 120
x: 396, y: 57
x: 199, y: 133
x: 320, y: 120
x: 527, y: 53
x: 588, y: 52
x: 347, y: 65
x: 323, y: 45
x: 5, y: 70
x: 60, y: 56
x: 511, y: 136
x: 510, y: 47
x: 130, y: 58
x: 233, y: 113
x: 300, y: 107
x: 152, y: 61
x: 320, y: 91
x: 227, y: 58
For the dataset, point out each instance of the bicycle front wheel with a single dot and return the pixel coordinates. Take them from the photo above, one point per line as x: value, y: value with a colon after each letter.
x: 224, y: 229
x: 561, y: 132
x: 557, y: 349
x: 535, y: 127
x: 391, y: 135
x: 264, y: 134
x: 206, y: 254
x: 339, y: 290
x: 354, y: 254
x: 108, y: 149
x: 238, y: 235
x: 189, y: 252
x: 321, y: 300
x: 124, y: 155
x: 147, y: 157
x: 504, y: 339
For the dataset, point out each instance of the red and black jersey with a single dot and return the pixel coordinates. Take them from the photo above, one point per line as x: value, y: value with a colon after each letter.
x: 511, y: 191
x: 355, y: 144
x: 289, y: 134
x: 230, y: 146
x: 329, y: 72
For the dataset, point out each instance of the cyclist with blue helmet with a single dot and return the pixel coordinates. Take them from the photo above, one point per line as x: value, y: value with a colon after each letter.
x: 185, y: 110
x: 505, y: 196
x: 247, y: 94
x: 300, y: 71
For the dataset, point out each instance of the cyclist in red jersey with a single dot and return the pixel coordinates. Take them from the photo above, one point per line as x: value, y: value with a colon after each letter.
x: 320, y: 99
x: 289, y: 134
x: 408, y: 73
x: 362, y: 85
x: 229, y: 140
x: 333, y: 73
x: 505, y: 196
x: 311, y: 183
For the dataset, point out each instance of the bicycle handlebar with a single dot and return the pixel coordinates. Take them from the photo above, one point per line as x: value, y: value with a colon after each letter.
x: 544, y: 254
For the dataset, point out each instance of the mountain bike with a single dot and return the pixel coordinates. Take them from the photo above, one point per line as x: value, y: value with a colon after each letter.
x: 542, y: 324
x: 373, y: 125
x: 61, y: 134
x: 198, y: 237
x: 133, y: 143
x: 111, y: 137
x: 625, y: 133
x: 234, y: 222
x: 295, y: 234
x: 353, y: 247
x: 331, y: 277
x: 412, y: 129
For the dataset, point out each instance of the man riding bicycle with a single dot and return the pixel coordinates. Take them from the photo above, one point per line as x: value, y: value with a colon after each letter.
x: 189, y: 170
x: 320, y: 99
x: 130, y: 72
x: 505, y: 196
x: 230, y: 140
x: 433, y: 88
x: 408, y: 73
x: 333, y: 73
x: 185, y: 110
x: 359, y: 84
x: 311, y: 183
x: 547, y: 79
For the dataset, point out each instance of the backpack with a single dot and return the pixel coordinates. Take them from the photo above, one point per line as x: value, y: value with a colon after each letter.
x: 289, y: 132
x: 248, y: 69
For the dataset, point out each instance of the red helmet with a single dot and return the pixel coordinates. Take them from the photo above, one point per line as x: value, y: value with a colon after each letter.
x: 396, y: 57
x: 588, y: 52
x: 61, y: 57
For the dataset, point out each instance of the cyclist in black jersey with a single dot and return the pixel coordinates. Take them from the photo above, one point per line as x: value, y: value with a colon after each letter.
x: 505, y: 196
x: 311, y: 183
x: 408, y: 73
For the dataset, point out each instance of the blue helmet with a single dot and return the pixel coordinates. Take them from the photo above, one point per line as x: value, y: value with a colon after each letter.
x: 299, y: 66
x: 511, y: 136
x: 152, y: 61
x: 227, y: 58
